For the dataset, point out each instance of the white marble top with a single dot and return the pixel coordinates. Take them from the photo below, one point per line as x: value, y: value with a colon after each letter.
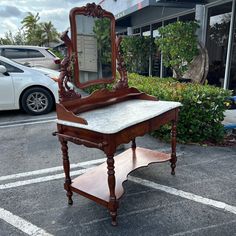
x: 114, y: 118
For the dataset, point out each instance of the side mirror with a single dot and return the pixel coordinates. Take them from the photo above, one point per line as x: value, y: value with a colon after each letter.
x: 3, y: 69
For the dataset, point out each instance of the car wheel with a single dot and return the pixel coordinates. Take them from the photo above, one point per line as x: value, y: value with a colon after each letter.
x: 37, y: 101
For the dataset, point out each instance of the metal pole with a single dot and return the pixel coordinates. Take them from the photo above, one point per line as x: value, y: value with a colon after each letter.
x: 150, y: 54
x: 161, y: 64
x: 229, y: 49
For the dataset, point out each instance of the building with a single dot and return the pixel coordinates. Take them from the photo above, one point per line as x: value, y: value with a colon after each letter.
x: 217, y: 29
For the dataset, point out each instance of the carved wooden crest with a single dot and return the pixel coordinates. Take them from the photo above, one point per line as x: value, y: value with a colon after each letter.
x: 91, y: 9
x: 69, y: 66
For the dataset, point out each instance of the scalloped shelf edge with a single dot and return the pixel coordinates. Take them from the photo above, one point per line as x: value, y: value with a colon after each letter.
x: 94, y: 184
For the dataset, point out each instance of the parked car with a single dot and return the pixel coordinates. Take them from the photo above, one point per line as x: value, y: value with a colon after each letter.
x: 33, y: 90
x: 31, y: 56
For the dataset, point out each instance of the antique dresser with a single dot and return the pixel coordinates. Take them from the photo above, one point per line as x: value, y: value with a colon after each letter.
x: 108, y: 117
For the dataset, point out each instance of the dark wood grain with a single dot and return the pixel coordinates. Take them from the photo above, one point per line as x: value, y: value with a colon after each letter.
x: 94, y: 182
x: 104, y: 184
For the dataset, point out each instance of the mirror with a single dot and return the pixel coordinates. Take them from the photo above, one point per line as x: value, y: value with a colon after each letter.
x: 93, y: 36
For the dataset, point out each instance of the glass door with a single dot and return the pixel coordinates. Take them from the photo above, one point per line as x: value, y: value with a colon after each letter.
x: 219, y: 18
x: 232, y: 64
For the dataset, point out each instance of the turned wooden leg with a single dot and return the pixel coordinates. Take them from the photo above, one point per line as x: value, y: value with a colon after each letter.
x: 66, y: 166
x: 173, y: 148
x: 113, y: 204
x: 133, y: 144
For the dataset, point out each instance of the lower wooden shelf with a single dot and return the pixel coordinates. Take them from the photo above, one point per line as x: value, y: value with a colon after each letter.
x: 94, y: 184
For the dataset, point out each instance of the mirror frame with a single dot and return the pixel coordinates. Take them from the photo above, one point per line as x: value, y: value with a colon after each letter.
x: 92, y: 10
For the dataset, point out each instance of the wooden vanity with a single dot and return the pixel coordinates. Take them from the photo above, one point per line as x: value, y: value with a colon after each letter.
x: 106, y: 118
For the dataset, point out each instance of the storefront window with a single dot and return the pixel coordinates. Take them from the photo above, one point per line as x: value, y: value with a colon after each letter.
x: 166, y: 22
x: 232, y: 74
x: 146, y: 30
x: 137, y: 31
x: 188, y: 17
x: 217, y: 42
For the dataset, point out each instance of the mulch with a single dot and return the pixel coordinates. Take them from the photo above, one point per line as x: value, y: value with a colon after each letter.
x: 229, y: 141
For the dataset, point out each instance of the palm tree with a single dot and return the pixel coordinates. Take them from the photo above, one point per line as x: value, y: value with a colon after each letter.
x: 30, y: 25
x: 49, y: 33
x: 30, y: 21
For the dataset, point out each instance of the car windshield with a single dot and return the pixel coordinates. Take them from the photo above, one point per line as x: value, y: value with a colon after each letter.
x: 10, y: 68
x: 22, y: 64
x: 7, y: 60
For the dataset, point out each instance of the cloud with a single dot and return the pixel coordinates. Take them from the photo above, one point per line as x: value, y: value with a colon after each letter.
x: 80, y: 2
x: 9, y: 11
x: 8, y: 25
x: 56, y: 11
x: 59, y: 17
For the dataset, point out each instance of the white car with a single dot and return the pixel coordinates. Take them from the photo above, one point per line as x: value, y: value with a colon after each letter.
x: 33, y: 90
x: 31, y: 55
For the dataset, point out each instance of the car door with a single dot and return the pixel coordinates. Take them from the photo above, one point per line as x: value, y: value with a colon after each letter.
x: 7, y: 96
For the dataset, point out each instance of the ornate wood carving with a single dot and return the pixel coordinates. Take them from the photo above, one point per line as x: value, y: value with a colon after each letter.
x: 123, y: 81
x: 91, y: 9
x: 65, y: 91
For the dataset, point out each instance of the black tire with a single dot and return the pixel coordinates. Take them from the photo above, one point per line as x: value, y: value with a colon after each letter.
x: 37, y: 101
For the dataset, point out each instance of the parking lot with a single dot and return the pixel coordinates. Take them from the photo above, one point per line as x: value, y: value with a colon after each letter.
x: 199, y: 200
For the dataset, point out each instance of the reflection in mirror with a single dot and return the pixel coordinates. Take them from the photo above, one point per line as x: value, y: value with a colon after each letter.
x: 94, y: 48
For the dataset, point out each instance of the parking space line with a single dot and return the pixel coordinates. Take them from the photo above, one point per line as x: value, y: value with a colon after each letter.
x: 28, y: 123
x: 183, y: 194
x: 41, y: 179
x: 147, y: 183
x: 27, y: 120
x: 170, y: 190
x: 190, y: 232
x: 22, y: 224
x: 50, y: 170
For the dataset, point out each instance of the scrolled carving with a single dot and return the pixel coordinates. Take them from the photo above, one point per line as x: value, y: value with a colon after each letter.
x: 65, y: 90
x: 91, y: 9
x: 123, y: 81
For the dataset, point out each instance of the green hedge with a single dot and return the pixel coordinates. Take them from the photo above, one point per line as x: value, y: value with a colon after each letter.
x: 200, y: 116
x: 202, y: 112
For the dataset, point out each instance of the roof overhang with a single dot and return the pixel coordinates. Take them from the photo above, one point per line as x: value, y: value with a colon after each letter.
x: 159, y: 3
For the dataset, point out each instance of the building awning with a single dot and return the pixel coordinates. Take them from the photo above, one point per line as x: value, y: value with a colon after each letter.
x: 158, y: 3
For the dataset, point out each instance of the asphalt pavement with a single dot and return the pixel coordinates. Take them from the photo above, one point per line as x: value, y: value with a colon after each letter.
x: 199, y: 200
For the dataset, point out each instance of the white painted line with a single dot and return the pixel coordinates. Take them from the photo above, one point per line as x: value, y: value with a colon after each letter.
x: 30, y: 123
x: 191, y: 232
x: 50, y: 170
x: 170, y: 190
x: 28, y: 120
x: 183, y: 194
x: 21, y: 224
x: 41, y: 179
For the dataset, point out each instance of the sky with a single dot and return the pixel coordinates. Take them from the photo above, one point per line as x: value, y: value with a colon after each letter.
x: 12, y: 12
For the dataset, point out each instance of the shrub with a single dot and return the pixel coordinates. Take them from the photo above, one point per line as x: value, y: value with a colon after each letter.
x: 200, y: 116
x: 178, y: 45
